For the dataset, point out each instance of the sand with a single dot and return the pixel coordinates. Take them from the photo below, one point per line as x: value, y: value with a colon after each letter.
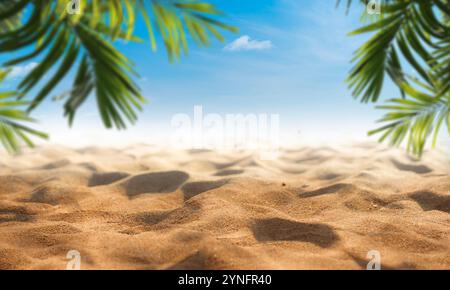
x: 144, y: 207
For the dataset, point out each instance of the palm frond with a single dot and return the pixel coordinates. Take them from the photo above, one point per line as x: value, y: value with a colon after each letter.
x: 12, y: 131
x: 416, y: 118
x: 11, y: 20
x: 409, y: 31
x: 85, y: 40
x: 417, y: 33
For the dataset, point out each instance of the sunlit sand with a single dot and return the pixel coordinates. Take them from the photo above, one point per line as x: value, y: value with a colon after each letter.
x: 144, y: 207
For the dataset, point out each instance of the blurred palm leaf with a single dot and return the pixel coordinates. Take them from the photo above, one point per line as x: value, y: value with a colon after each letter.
x: 416, y: 33
x: 12, y: 132
x: 85, y: 39
x: 11, y: 21
x: 415, y: 118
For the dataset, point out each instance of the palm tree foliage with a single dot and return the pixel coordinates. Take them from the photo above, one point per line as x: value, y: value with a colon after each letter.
x: 408, y: 33
x: 62, y: 40
x: 12, y: 131
x: 413, y: 34
x: 11, y: 21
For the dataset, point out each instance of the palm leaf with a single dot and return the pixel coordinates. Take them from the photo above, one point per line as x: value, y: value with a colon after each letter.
x: 415, y: 119
x: 418, y: 33
x: 411, y: 28
x: 85, y: 40
x: 12, y: 132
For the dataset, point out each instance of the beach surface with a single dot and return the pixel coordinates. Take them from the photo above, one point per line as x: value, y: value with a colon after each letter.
x: 144, y: 207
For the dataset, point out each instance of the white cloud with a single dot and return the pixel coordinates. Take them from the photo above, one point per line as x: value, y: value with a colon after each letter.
x: 246, y: 43
x: 21, y: 71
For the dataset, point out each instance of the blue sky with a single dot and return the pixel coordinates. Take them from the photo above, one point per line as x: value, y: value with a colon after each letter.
x: 295, y: 65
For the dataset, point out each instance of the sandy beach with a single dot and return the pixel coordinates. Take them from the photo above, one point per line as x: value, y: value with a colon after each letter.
x: 143, y: 207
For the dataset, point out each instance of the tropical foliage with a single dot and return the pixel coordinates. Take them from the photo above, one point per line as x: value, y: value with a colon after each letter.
x: 62, y: 35
x: 407, y: 35
x: 12, y: 131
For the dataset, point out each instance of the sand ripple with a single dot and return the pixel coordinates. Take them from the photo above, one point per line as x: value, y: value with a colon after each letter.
x: 147, y: 208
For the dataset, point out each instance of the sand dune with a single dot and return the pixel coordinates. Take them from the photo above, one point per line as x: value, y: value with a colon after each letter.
x: 144, y: 207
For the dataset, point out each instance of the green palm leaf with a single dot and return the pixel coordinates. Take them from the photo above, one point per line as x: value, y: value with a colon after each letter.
x: 12, y: 131
x: 415, y: 119
x: 11, y: 21
x: 415, y: 32
x: 64, y: 40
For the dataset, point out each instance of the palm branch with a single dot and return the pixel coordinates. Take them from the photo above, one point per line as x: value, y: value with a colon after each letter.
x: 85, y: 40
x: 8, y: 22
x: 415, y: 118
x: 416, y: 33
x: 12, y: 131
